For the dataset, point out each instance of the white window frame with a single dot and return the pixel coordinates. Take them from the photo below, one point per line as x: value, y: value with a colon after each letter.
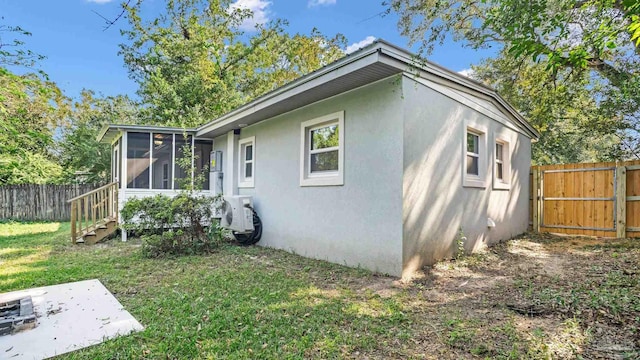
x: 470, y: 180
x: 329, y: 178
x: 243, y: 181
x: 505, y: 182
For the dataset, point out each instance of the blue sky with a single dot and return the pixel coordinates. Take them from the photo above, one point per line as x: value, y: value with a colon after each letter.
x: 81, y: 55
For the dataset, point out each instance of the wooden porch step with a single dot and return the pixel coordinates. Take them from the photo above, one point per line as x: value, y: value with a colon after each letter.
x: 99, y: 232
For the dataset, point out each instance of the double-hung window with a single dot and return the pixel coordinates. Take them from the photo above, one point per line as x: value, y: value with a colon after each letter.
x: 322, y: 151
x: 246, y: 170
x: 475, y: 155
x: 502, y: 165
x: 500, y: 162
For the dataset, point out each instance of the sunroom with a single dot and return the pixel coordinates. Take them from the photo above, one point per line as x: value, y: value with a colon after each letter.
x: 146, y: 160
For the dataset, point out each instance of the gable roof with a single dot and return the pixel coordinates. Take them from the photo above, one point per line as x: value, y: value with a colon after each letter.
x: 374, y: 62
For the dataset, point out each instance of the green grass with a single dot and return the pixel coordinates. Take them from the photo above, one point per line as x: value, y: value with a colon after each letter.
x: 259, y: 303
x: 241, y: 302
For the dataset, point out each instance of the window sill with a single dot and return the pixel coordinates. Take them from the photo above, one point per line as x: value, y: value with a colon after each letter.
x: 336, y: 180
x: 246, y: 184
x: 474, y: 183
x: 499, y: 185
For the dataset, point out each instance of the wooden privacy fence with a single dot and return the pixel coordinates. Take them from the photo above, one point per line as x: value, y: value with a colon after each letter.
x: 39, y: 202
x: 596, y: 199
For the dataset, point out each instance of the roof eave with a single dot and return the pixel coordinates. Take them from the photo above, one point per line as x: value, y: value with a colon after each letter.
x: 363, y: 53
x: 141, y: 128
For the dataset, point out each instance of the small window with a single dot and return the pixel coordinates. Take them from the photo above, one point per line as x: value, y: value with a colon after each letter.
x: 473, y: 154
x: 246, y: 171
x: 502, y: 166
x: 321, y: 153
x: 324, y: 148
x: 499, y: 162
x: 475, y: 157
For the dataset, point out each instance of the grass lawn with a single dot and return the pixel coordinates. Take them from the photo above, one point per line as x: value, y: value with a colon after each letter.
x: 534, y: 297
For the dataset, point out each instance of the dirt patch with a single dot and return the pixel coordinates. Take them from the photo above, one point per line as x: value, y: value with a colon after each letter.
x: 532, y: 297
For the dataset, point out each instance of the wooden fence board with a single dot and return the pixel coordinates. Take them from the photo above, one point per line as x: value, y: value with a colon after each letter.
x: 31, y: 202
x: 596, y: 183
x: 633, y: 207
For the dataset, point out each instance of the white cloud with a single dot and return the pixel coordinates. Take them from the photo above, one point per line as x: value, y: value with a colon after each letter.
x: 259, y: 8
x: 360, y: 44
x: 313, y: 3
x: 100, y: 1
x: 467, y: 72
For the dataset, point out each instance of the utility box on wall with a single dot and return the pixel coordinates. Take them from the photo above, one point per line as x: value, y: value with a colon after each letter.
x: 216, y: 175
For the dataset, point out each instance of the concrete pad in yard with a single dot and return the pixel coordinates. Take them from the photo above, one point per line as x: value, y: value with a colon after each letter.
x: 70, y: 317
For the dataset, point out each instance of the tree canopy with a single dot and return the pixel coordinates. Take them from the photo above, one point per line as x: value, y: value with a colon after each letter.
x: 194, y: 62
x: 80, y: 154
x: 31, y: 109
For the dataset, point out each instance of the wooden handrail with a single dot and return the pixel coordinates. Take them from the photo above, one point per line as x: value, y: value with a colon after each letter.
x: 92, y: 191
x: 91, y: 212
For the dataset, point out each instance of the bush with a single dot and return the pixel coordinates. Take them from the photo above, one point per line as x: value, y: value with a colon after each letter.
x: 183, y: 224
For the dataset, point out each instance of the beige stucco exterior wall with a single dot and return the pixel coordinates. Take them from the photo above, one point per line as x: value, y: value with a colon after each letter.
x: 436, y: 205
x: 356, y: 224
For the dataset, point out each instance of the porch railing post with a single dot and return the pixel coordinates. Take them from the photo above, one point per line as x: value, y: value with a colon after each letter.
x: 73, y: 221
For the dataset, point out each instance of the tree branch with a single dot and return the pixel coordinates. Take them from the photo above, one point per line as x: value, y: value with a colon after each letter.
x: 110, y: 23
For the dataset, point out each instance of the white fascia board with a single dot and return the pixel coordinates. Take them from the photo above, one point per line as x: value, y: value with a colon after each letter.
x: 102, y: 133
x: 142, y: 128
x: 426, y: 78
x: 303, y: 84
x: 491, y: 110
x: 416, y: 64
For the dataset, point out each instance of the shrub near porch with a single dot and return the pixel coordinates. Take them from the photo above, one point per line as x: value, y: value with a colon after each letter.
x: 176, y: 225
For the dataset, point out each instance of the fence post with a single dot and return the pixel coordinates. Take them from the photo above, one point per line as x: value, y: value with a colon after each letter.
x: 621, y: 201
x: 535, y: 195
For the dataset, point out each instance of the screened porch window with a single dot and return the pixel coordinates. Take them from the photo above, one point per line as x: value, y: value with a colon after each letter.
x: 152, y: 160
x: 181, y: 145
x: 138, y: 156
x: 162, y: 160
x: 202, y: 159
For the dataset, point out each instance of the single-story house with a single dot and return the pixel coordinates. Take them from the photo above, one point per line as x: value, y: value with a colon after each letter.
x: 378, y: 160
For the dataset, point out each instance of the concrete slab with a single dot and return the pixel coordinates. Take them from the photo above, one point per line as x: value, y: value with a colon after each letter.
x: 71, y: 316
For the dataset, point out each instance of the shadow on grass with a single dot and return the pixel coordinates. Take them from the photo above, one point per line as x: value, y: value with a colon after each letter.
x: 225, y: 306
x: 12, y: 228
x: 25, y: 252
